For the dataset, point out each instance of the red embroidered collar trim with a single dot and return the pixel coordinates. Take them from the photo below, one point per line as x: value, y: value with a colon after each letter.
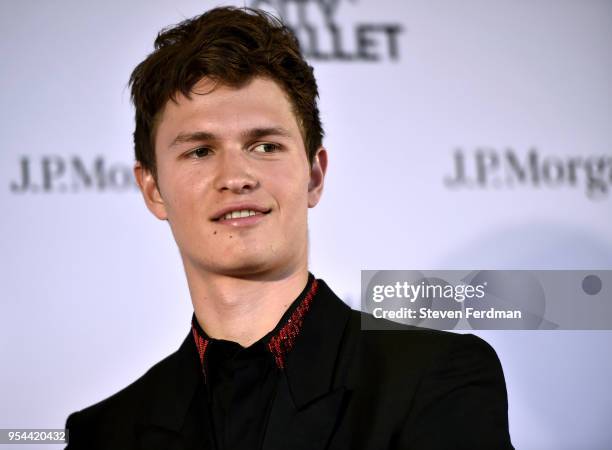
x: 201, y: 345
x: 280, y: 343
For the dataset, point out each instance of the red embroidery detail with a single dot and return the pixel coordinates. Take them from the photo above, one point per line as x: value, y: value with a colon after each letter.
x: 282, y: 343
x: 201, y: 345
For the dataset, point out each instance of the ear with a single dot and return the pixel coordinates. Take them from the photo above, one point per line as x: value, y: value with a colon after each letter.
x: 317, y: 176
x: 150, y: 191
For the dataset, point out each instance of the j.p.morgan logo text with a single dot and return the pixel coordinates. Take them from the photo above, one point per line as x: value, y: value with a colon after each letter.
x: 51, y: 174
x: 323, y: 37
x: 484, y: 168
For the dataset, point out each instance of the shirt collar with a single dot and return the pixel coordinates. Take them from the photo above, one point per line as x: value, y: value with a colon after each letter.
x: 278, y: 342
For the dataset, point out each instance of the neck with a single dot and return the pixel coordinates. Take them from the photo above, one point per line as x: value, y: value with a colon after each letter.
x: 242, y: 309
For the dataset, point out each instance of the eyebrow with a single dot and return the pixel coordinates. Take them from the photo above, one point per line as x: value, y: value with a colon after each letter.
x: 253, y: 133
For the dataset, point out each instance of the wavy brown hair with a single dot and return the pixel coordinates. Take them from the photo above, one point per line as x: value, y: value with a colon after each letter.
x: 229, y: 45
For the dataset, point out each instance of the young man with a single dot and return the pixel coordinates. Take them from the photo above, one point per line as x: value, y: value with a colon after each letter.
x: 229, y: 151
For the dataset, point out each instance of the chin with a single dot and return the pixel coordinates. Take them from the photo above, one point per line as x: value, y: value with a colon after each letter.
x: 246, y: 265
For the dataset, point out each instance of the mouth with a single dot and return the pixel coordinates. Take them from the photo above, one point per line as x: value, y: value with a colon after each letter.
x: 241, y: 215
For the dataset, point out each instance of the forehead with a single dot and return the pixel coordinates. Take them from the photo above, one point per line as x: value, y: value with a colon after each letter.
x: 227, y: 110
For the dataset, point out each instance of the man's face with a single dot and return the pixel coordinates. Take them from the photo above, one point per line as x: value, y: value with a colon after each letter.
x: 234, y: 180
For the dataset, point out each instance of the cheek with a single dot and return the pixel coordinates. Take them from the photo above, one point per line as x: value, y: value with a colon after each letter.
x: 293, y: 199
x: 183, y: 197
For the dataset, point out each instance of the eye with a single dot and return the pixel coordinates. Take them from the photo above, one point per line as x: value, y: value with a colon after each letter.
x: 199, y: 152
x: 266, y: 148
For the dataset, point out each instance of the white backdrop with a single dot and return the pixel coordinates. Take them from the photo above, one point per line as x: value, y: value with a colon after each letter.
x: 92, y: 289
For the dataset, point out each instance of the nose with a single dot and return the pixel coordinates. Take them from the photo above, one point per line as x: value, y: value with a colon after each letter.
x: 234, y: 173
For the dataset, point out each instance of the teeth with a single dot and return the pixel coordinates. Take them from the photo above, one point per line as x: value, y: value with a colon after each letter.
x: 239, y: 214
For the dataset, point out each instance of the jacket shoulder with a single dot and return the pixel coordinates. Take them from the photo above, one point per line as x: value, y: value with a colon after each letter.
x: 439, y: 379
x: 113, y: 418
x: 415, y: 347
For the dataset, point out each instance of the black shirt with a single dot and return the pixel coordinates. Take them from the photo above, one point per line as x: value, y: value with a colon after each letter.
x: 240, y: 382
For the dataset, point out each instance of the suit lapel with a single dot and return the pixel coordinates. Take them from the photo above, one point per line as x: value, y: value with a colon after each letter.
x: 172, y: 416
x: 311, y: 394
x: 308, y: 428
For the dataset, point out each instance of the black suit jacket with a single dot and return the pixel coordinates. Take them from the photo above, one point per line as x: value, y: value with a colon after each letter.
x: 401, y: 388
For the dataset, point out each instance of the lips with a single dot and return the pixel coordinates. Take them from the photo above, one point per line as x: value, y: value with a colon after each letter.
x: 239, y: 211
x: 239, y: 214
